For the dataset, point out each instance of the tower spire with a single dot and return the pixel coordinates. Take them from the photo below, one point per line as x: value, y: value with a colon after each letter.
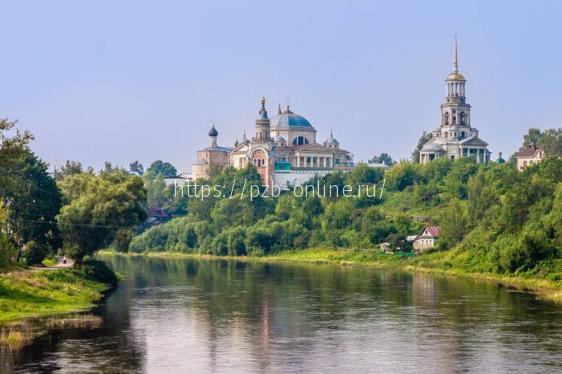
x: 262, y: 123
x: 456, y: 63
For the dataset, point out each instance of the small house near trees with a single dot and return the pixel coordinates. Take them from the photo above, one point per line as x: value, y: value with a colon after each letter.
x: 426, y: 240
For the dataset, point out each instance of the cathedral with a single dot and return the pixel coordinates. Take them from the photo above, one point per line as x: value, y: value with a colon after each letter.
x: 283, y: 150
x: 455, y: 137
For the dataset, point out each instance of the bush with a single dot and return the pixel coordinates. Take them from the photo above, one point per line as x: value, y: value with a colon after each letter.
x: 403, y: 175
x: 7, y: 251
x: 258, y: 241
x: 99, y: 271
x: 236, y: 245
x: 123, y: 239
x: 35, y: 252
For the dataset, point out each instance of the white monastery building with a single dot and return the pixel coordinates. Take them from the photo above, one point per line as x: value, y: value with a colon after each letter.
x: 455, y: 137
x: 284, y: 150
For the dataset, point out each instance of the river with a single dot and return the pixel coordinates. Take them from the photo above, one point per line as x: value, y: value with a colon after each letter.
x: 198, y: 316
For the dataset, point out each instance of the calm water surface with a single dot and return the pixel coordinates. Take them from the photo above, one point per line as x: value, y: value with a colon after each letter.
x: 196, y: 316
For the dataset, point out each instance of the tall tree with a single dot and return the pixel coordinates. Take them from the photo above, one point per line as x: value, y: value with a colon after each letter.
x: 423, y: 139
x: 7, y: 249
x: 27, y: 190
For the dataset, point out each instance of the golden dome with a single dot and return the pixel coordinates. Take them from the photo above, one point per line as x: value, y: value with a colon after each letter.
x: 455, y: 76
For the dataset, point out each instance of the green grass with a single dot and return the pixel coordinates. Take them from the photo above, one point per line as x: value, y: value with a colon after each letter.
x: 49, y: 262
x: 26, y: 293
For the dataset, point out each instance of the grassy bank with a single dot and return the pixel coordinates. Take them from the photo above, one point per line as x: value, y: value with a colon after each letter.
x: 32, y: 293
x: 439, y: 263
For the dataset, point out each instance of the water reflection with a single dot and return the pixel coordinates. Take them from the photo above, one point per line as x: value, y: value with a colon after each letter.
x: 173, y: 315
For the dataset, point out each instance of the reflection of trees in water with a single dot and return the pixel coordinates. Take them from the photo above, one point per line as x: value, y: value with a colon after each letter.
x: 280, y: 316
x: 258, y: 303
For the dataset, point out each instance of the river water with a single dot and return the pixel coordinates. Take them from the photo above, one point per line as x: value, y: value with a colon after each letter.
x: 198, y: 316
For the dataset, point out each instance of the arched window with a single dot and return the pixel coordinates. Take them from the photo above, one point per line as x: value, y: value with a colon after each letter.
x: 462, y: 118
x: 299, y: 140
x: 446, y: 118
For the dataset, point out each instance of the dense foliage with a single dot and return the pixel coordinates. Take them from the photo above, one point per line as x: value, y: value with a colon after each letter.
x: 29, y: 196
x: 99, y: 209
x: 496, y: 218
x: 550, y: 140
x: 261, y: 225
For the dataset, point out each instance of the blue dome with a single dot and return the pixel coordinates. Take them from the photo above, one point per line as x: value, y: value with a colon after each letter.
x: 288, y: 119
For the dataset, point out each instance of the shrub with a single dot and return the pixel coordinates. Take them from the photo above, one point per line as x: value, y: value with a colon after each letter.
x: 35, y: 252
x: 123, y: 239
x: 99, y: 271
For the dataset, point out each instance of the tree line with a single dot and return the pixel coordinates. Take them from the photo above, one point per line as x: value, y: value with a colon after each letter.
x: 494, y: 217
x: 74, y: 210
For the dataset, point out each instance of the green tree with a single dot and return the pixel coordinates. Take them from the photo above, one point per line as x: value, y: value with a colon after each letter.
x: 453, y: 224
x: 236, y: 241
x: 33, y: 198
x: 136, y: 167
x: 94, y: 215
x: 162, y: 168
x: 363, y: 174
x: 258, y: 241
x: 550, y: 140
x: 403, y: 175
x: 35, y: 252
x: 481, y: 197
x: 8, y: 251
x: 383, y: 158
x: 156, y: 192
x: 422, y: 140
x: 69, y: 168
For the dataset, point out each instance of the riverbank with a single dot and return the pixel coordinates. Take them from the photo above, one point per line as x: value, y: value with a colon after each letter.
x: 437, y: 263
x: 26, y: 293
x: 33, y: 293
x: 35, y: 301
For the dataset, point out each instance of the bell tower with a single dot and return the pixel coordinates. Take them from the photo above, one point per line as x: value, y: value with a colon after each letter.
x: 262, y: 124
x: 455, y: 111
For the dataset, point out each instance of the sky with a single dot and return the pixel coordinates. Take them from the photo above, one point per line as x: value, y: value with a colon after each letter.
x: 144, y: 80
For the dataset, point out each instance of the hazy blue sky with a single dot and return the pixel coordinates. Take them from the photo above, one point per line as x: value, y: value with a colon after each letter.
x: 125, y: 80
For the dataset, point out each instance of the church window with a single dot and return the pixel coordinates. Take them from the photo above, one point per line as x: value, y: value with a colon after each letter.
x: 462, y: 118
x: 299, y: 140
